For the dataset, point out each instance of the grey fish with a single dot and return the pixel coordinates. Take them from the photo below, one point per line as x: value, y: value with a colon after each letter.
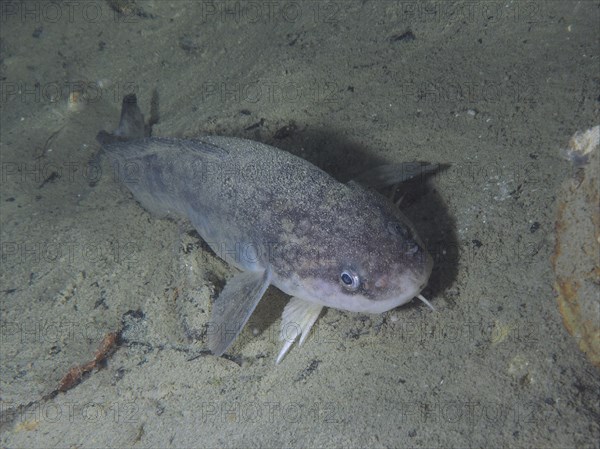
x: 279, y: 220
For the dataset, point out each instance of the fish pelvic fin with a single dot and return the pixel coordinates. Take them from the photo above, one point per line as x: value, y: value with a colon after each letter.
x: 232, y: 309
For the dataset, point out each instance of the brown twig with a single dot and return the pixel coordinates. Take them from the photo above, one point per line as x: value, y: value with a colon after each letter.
x: 75, y: 374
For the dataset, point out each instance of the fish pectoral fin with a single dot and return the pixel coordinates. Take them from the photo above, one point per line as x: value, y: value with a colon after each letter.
x: 391, y: 174
x: 297, y: 319
x: 232, y: 309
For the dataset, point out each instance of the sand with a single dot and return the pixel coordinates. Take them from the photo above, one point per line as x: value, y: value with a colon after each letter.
x: 493, y: 91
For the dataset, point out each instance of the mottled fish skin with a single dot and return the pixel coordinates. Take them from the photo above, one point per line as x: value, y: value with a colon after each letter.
x: 268, y: 212
x: 298, y: 220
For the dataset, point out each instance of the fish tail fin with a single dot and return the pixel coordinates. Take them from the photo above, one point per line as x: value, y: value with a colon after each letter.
x: 132, y: 125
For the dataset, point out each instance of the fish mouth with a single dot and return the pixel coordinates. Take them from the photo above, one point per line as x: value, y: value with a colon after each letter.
x: 394, y: 289
x: 409, y: 286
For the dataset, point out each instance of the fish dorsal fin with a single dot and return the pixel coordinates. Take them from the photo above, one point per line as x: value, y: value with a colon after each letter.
x: 297, y: 319
x: 391, y: 174
x: 232, y: 309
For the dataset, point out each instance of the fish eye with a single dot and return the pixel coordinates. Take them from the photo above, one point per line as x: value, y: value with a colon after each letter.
x: 349, y: 280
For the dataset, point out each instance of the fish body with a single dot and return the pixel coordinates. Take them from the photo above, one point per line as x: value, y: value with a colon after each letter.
x: 281, y: 221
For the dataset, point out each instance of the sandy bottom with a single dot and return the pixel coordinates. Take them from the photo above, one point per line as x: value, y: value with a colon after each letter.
x: 494, y: 92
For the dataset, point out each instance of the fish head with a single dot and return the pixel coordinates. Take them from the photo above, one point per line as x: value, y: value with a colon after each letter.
x: 370, y: 260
